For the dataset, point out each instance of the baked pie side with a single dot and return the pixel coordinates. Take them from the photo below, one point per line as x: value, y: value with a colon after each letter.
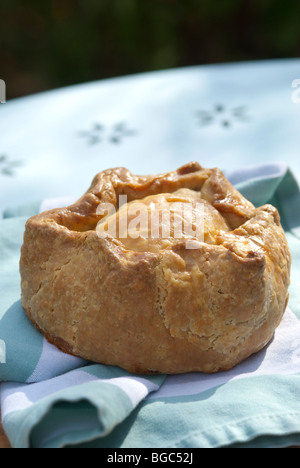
x: 170, y: 310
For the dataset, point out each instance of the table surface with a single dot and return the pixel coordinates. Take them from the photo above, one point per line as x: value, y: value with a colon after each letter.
x: 228, y: 115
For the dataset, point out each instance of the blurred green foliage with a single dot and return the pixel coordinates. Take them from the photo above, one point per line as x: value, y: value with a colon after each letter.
x: 52, y: 43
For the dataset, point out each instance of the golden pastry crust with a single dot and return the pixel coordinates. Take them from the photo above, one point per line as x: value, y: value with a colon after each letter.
x: 171, y: 310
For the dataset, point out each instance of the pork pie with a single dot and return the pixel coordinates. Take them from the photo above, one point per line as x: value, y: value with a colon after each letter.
x: 102, y: 282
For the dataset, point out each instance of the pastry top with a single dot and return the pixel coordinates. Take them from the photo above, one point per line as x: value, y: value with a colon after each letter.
x: 223, y: 207
x: 217, y: 211
x: 157, y: 222
x: 200, y: 301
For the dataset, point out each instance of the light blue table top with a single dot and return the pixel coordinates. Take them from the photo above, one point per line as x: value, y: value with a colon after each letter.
x: 230, y: 116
